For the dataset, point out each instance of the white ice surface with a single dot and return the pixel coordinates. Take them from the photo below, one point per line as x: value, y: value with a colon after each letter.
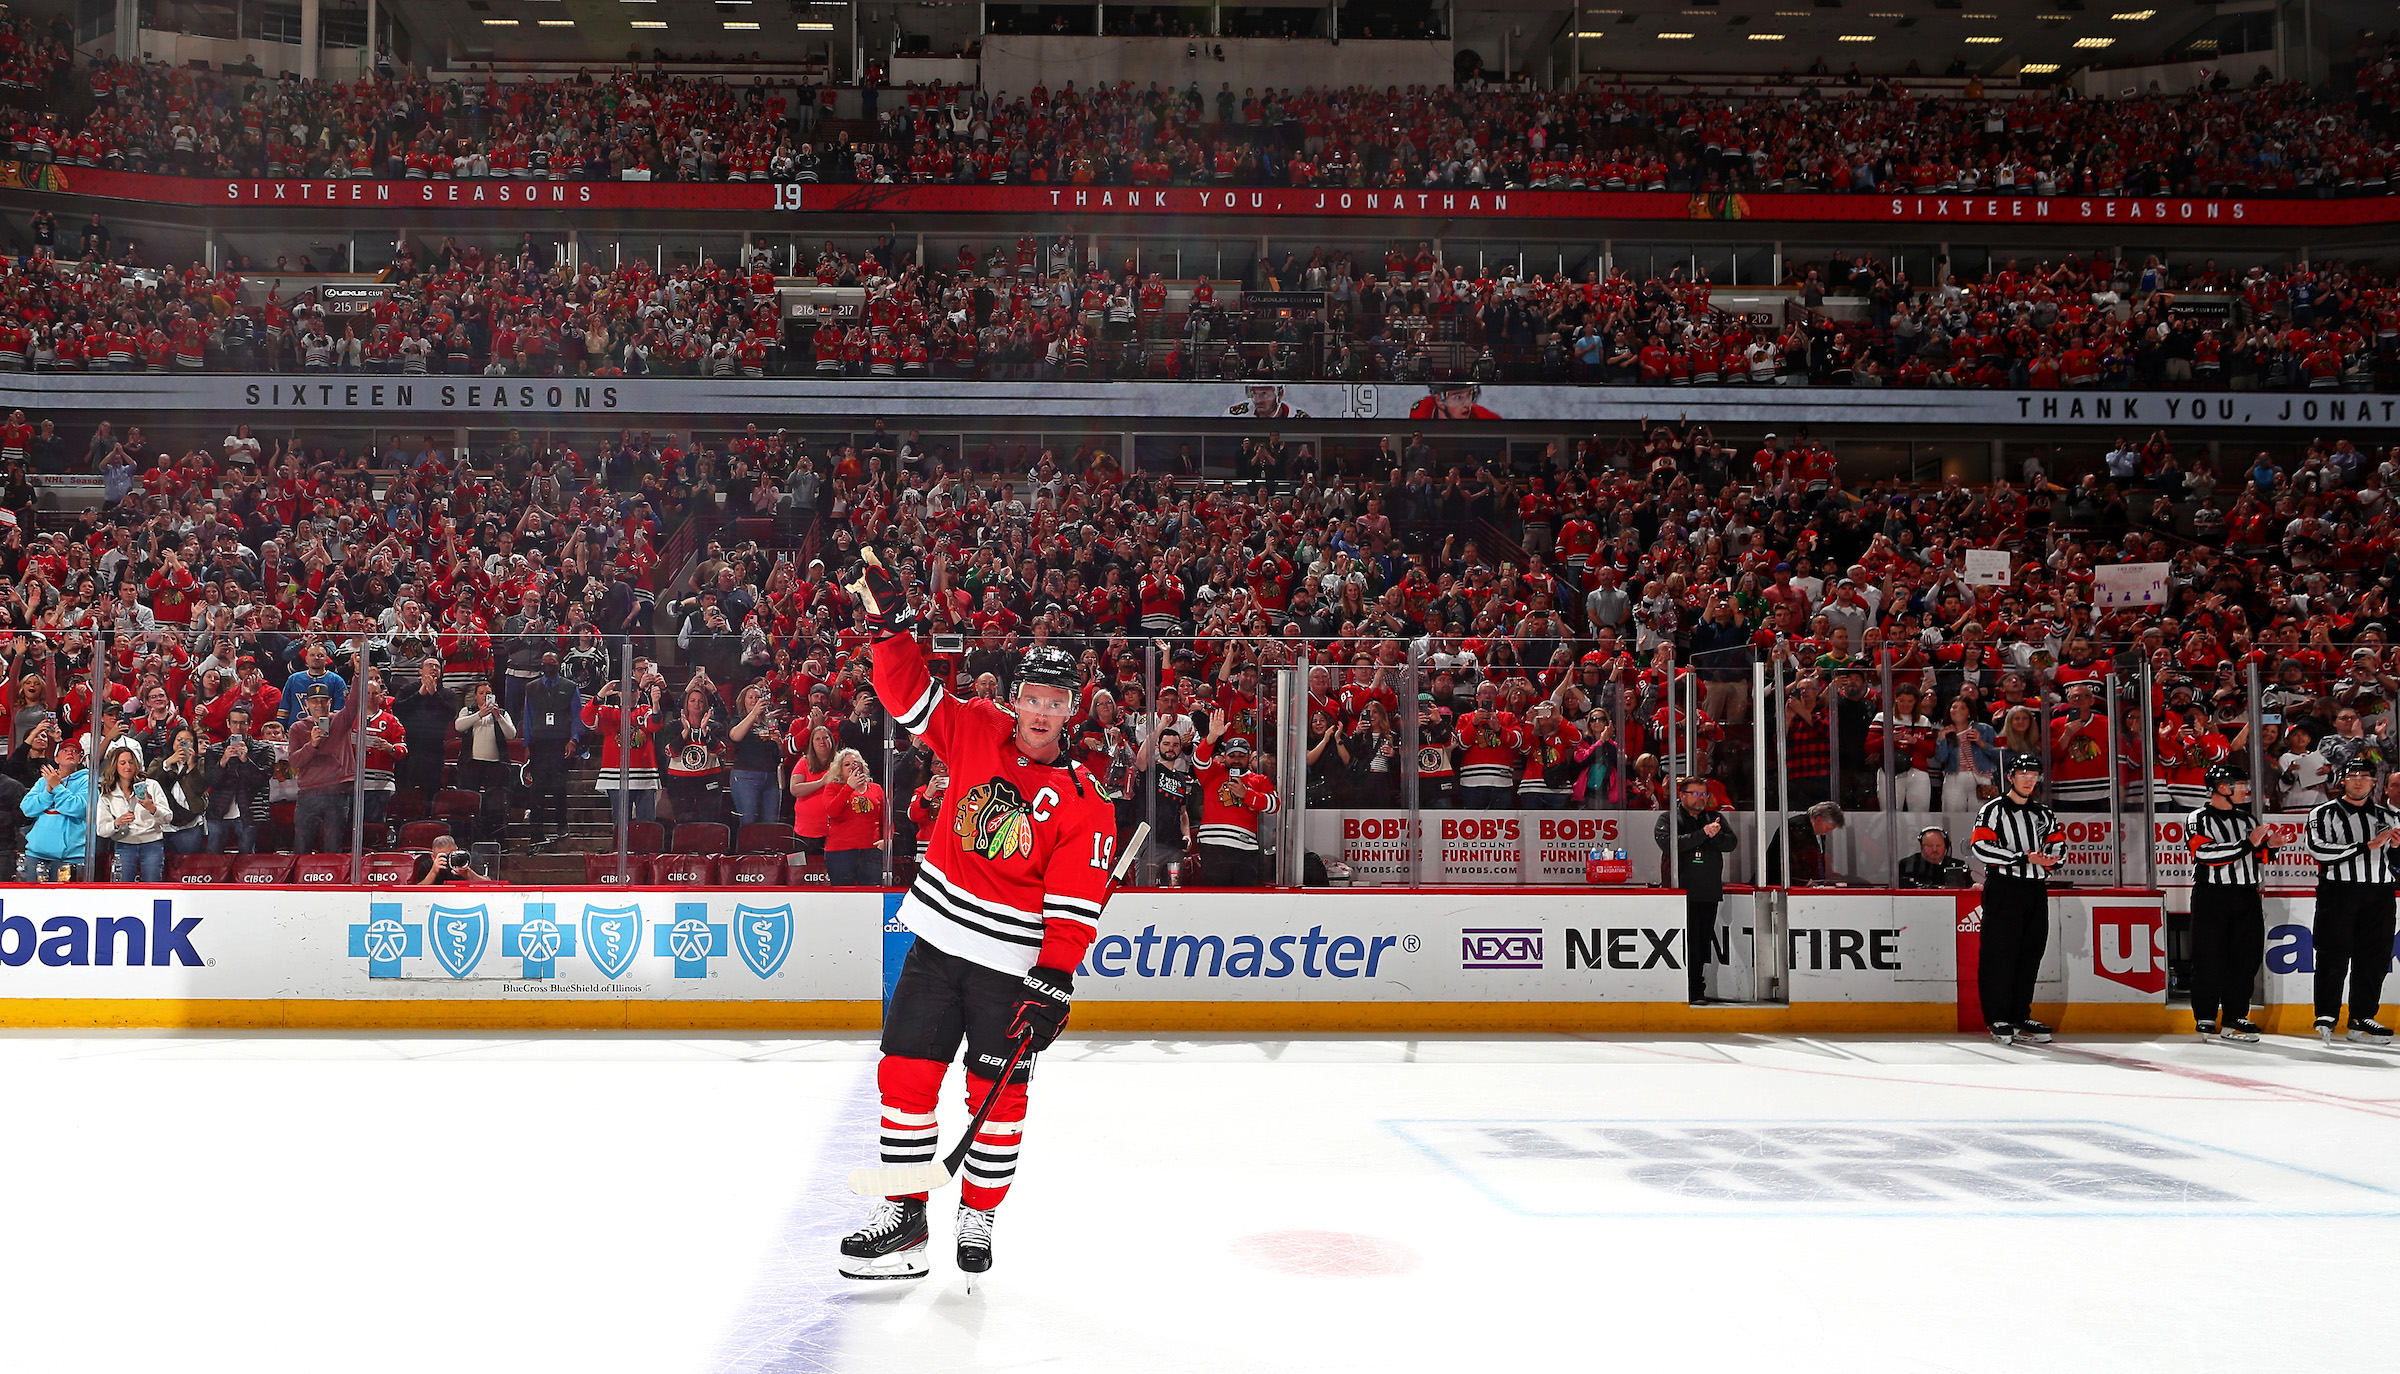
x: 598, y: 1203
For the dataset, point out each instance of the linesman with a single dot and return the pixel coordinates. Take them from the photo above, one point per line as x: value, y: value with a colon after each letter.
x: 2019, y: 840
x: 2229, y: 925
x: 2351, y: 838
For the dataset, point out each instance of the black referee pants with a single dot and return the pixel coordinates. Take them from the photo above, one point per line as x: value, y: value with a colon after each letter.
x: 2353, y: 944
x: 2016, y: 929
x: 2229, y: 937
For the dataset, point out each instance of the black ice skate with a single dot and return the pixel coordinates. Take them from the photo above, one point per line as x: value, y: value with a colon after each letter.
x: 2032, y: 1033
x: 974, y: 1240
x: 2207, y: 1029
x: 2242, y: 1030
x: 891, y: 1245
x: 2003, y: 1033
x: 2325, y: 1029
x: 2370, y: 1032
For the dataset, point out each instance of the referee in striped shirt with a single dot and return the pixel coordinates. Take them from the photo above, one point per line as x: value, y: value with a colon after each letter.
x: 2229, y: 926
x: 2351, y: 837
x: 2019, y: 840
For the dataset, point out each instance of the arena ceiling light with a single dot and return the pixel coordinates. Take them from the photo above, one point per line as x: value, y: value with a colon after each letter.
x: 2133, y: 16
x: 1591, y: 33
x: 555, y: 23
x: 1983, y: 40
x: 814, y: 26
x: 2038, y: 68
x: 2093, y: 42
x: 1857, y: 38
x: 741, y: 23
x: 648, y: 23
x: 1766, y: 38
x: 499, y: 23
x: 1675, y: 35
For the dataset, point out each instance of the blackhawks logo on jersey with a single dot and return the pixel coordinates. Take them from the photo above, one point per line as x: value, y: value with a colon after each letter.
x: 994, y: 821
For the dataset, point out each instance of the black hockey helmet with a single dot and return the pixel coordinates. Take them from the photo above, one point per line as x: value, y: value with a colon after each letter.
x: 2358, y: 767
x: 2225, y: 775
x: 1046, y: 665
x: 2022, y: 763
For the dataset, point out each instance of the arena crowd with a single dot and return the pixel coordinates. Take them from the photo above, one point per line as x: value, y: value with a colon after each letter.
x: 484, y: 606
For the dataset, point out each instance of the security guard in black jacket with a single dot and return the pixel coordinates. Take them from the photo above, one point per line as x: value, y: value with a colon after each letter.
x: 1703, y: 837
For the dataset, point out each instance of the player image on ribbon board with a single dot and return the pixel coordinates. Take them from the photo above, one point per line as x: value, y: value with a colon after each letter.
x: 1452, y: 401
x: 1265, y: 403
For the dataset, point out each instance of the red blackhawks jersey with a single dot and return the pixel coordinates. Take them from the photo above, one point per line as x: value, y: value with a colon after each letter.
x: 1016, y: 865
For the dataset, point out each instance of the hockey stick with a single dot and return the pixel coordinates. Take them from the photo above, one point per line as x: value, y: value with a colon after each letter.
x: 896, y: 1180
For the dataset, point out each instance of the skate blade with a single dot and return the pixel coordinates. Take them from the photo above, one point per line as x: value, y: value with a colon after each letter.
x: 2370, y: 1042
x: 2238, y: 1039
x: 906, y: 1264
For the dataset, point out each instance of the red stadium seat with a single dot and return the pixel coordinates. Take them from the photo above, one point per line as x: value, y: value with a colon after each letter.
x: 684, y: 870
x: 393, y: 869
x: 764, y: 838
x: 459, y: 807
x: 752, y: 870
x: 422, y: 834
x: 646, y: 837
x: 322, y: 870
x: 806, y: 870
x: 702, y: 837
x: 405, y: 807
x: 600, y: 870
x: 200, y: 870
x: 250, y: 869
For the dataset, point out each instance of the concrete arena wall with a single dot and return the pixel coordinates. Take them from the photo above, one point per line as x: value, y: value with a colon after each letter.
x: 1430, y: 961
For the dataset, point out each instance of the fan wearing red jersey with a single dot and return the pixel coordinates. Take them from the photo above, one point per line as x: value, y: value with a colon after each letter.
x: 1005, y: 902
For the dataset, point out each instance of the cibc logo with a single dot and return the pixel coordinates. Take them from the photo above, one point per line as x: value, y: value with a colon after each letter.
x: 1486, y: 947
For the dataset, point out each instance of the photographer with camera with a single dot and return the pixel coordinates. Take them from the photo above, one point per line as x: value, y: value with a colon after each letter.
x: 452, y: 864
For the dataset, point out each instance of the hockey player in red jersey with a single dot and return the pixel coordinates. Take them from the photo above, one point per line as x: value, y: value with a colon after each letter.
x: 1005, y: 902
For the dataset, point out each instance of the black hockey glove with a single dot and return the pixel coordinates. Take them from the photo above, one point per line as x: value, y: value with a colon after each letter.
x: 886, y: 598
x: 1042, y: 1012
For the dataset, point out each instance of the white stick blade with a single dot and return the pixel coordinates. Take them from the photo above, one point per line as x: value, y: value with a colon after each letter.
x: 895, y: 1180
x: 1132, y: 850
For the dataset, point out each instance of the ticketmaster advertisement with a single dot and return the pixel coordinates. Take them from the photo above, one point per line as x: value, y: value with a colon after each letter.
x: 1379, y: 947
